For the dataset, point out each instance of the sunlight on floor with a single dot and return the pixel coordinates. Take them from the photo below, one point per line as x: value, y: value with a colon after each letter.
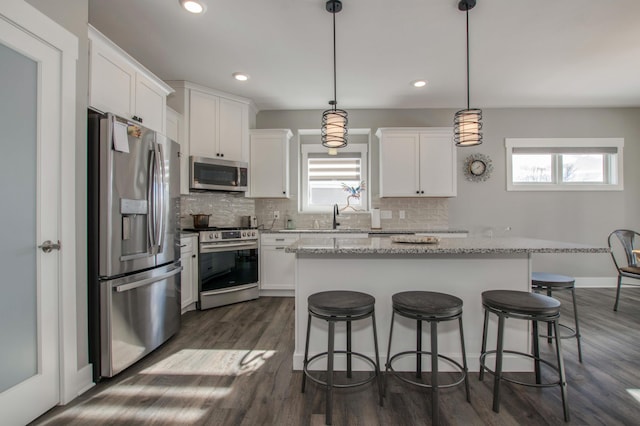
x: 634, y: 393
x: 103, y: 412
x: 149, y: 402
x: 221, y: 362
x: 149, y: 391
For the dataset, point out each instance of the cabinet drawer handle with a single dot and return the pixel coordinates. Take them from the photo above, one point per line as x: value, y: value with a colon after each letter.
x: 193, y: 255
x: 279, y: 239
x: 279, y: 248
x: 183, y: 245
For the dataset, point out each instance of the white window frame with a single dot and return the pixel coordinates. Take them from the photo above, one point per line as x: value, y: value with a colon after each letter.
x: 306, y: 149
x: 570, y: 144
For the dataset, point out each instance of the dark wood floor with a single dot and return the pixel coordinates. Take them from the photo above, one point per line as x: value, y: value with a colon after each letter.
x: 232, y: 366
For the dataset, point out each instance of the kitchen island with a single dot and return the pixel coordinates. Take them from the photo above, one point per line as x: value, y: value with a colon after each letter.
x: 463, y: 267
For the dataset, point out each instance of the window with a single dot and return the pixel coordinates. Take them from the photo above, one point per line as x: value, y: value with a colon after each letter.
x: 334, y: 179
x: 564, y: 164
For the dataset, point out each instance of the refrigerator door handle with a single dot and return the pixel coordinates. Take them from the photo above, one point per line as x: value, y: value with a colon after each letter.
x: 147, y: 281
x: 151, y: 216
x: 160, y: 200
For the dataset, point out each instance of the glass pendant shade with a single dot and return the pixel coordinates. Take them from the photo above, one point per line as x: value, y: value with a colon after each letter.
x: 334, y: 128
x: 467, y: 126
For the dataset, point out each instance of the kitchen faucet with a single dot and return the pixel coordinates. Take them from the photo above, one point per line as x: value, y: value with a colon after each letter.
x: 335, y: 214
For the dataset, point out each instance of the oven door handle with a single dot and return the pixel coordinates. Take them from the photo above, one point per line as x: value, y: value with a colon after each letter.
x: 215, y: 248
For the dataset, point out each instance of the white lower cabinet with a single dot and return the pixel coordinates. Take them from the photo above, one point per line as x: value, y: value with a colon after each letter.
x: 189, y: 276
x: 277, y: 268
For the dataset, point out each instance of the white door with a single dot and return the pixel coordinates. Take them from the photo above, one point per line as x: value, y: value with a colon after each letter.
x: 30, y: 119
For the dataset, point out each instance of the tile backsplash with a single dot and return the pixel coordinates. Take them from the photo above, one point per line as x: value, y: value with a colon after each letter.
x: 226, y: 209
x: 419, y: 213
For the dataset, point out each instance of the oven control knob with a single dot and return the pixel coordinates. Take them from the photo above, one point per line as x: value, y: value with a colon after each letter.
x: 211, y: 236
x: 216, y: 235
x: 244, y: 234
x: 253, y: 233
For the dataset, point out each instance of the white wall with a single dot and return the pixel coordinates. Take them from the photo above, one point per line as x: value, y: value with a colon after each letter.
x: 584, y: 217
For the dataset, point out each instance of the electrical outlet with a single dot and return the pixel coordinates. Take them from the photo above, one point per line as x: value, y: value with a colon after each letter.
x: 276, y: 214
x: 401, y: 214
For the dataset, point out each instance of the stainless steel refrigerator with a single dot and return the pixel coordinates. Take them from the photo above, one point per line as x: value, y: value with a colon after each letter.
x: 134, y: 248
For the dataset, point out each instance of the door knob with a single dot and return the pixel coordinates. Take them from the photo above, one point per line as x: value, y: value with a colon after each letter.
x: 47, y: 246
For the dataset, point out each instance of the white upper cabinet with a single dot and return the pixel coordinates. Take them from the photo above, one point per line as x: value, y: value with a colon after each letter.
x: 234, y: 126
x: 269, y: 163
x: 217, y: 122
x: 417, y: 162
x: 120, y: 85
x: 203, y: 127
x: 150, y: 103
x: 176, y: 131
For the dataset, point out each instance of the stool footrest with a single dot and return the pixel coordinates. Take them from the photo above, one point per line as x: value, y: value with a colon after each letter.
x: 305, y: 369
x: 571, y: 335
x: 451, y: 361
x: 508, y: 379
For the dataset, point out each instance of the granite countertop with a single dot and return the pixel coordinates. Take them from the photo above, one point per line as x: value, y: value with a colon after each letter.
x: 365, y: 231
x: 378, y: 245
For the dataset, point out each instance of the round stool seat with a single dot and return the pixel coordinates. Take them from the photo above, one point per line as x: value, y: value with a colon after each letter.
x: 520, y: 302
x: 427, y: 303
x: 341, y: 303
x: 545, y: 279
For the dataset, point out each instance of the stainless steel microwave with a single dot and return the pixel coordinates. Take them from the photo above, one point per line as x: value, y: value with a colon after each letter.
x: 209, y: 174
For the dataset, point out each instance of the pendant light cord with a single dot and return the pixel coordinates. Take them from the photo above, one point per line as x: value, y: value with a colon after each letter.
x: 335, y: 92
x: 467, y: 13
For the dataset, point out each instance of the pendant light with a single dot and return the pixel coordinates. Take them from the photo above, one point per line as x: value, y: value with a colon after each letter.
x: 334, y: 121
x: 467, y: 124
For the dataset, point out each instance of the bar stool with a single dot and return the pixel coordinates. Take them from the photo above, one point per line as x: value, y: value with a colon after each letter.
x: 340, y: 306
x: 543, y: 281
x: 530, y: 307
x: 433, y: 308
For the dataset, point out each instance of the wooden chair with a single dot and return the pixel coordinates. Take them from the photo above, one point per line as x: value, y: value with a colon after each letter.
x: 627, y: 265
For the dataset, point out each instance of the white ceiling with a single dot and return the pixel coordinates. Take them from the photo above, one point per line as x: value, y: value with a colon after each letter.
x: 533, y: 53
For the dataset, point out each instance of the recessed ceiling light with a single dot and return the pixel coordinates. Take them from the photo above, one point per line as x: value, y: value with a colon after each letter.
x: 240, y: 76
x: 419, y: 83
x: 193, y: 6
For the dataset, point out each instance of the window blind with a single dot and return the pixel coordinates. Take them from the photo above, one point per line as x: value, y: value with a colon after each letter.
x: 334, y: 169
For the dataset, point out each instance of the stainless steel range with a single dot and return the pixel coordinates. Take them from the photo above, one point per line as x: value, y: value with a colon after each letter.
x: 228, y: 266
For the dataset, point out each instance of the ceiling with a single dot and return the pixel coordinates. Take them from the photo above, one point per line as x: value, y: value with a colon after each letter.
x: 534, y: 53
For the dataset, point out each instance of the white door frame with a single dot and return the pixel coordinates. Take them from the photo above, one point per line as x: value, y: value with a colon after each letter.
x: 26, y: 17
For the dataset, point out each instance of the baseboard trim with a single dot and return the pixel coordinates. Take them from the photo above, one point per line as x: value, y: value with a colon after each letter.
x: 604, y: 282
x: 596, y: 282
x: 277, y: 293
